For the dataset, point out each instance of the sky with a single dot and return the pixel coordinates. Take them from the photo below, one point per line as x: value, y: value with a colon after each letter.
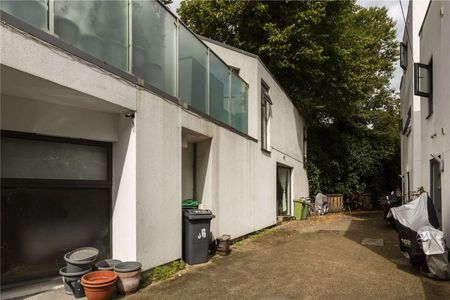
x: 394, y: 12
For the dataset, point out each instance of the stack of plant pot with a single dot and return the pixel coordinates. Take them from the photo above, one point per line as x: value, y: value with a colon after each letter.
x: 223, y: 247
x: 99, y: 285
x: 78, y: 263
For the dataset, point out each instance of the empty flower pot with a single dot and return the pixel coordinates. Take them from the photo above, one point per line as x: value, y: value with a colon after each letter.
x: 116, y: 54
x: 72, y: 282
x: 99, y: 285
x: 67, y: 30
x: 129, y: 276
x: 80, y: 259
x: 92, y: 45
x: 107, y: 264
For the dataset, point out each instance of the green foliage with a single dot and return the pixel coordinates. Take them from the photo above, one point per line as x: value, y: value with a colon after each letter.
x: 167, y: 271
x: 335, y: 60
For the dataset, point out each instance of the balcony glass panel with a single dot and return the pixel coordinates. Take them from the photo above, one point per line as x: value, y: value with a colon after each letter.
x: 34, y: 12
x: 192, y: 77
x: 238, y: 103
x: 154, y: 36
x: 99, y: 28
x: 219, y: 89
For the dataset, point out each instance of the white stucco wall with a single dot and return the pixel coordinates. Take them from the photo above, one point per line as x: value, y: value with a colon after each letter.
x: 410, y: 145
x: 435, y: 43
x: 158, y: 181
x: 236, y: 179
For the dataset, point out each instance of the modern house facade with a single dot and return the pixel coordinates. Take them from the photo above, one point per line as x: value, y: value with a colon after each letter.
x: 411, y: 165
x: 430, y: 81
x: 112, y: 113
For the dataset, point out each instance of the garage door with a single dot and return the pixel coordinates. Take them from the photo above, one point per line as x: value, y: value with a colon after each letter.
x: 55, y: 196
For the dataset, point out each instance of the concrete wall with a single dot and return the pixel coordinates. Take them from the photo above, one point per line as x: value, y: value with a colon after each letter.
x: 435, y: 43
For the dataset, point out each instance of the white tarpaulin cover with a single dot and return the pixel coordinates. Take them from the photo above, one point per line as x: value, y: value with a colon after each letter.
x: 321, y: 199
x: 413, y: 215
x: 433, y: 241
x: 438, y: 266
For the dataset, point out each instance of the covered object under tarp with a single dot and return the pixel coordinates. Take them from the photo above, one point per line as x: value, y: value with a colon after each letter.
x: 409, y: 219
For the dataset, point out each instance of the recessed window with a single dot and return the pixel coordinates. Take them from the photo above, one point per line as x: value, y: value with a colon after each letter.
x: 407, y: 125
x: 403, y: 55
x: 305, y: 146
x: 423, y: 82
x: 266, y: 114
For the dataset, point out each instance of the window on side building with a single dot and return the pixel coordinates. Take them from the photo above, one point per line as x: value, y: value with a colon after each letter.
x: 403, y: 56
x: 423, y: 81
x: 266, y: 114
x: 407, y: 125
x: 305, y: 146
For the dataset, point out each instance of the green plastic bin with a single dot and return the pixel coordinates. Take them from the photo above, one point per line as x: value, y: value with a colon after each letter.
x: 305, y: 210
x: 298, y: 209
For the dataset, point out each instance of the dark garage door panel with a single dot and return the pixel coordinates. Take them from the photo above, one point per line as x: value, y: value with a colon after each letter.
x: 39, y: 225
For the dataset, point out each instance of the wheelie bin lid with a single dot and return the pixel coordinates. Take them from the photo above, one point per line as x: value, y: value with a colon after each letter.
x: 198, y: 214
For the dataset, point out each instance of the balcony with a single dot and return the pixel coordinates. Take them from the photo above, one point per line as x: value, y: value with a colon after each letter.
x: 142, y: 41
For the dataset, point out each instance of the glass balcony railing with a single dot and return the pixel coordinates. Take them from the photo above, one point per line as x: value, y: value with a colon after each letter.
x: 143, y: 38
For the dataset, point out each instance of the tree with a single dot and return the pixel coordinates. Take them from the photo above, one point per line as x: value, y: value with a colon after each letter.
x: 346, y: 50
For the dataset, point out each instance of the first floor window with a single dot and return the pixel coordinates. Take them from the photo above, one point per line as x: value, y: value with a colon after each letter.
x: 266, y: 114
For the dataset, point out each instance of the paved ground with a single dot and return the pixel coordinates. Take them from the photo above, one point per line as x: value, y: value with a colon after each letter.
x: 316, y: 259
x: 321, y: 258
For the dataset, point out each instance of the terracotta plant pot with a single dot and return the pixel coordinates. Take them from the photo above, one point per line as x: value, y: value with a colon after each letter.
x: 99, y: 285
x: 129, y: 274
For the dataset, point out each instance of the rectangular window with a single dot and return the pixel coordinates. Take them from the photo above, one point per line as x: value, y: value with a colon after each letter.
x: 403, y: 56
x: 423, y: 79
x: 305, y: 145
x: 266, y: 113
x: 407, y: 126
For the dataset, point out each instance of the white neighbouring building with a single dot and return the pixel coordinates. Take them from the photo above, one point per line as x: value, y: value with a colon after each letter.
x: 427, y: 81
x: 107, y: 127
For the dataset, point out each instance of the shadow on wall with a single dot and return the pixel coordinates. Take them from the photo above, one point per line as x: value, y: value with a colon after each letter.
x: 121, y: 151
x: 391, y: 250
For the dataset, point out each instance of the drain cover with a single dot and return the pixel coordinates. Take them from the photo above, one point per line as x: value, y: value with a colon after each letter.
x: 373, y: 242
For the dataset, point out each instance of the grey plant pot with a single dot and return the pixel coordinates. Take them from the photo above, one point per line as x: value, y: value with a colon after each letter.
x: 107, y: 264
x: 72, y: 282
x: 80, y: 259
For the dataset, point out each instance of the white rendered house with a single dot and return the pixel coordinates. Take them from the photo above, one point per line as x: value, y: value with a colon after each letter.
x: 112, y: 113
x: 426, y: 145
